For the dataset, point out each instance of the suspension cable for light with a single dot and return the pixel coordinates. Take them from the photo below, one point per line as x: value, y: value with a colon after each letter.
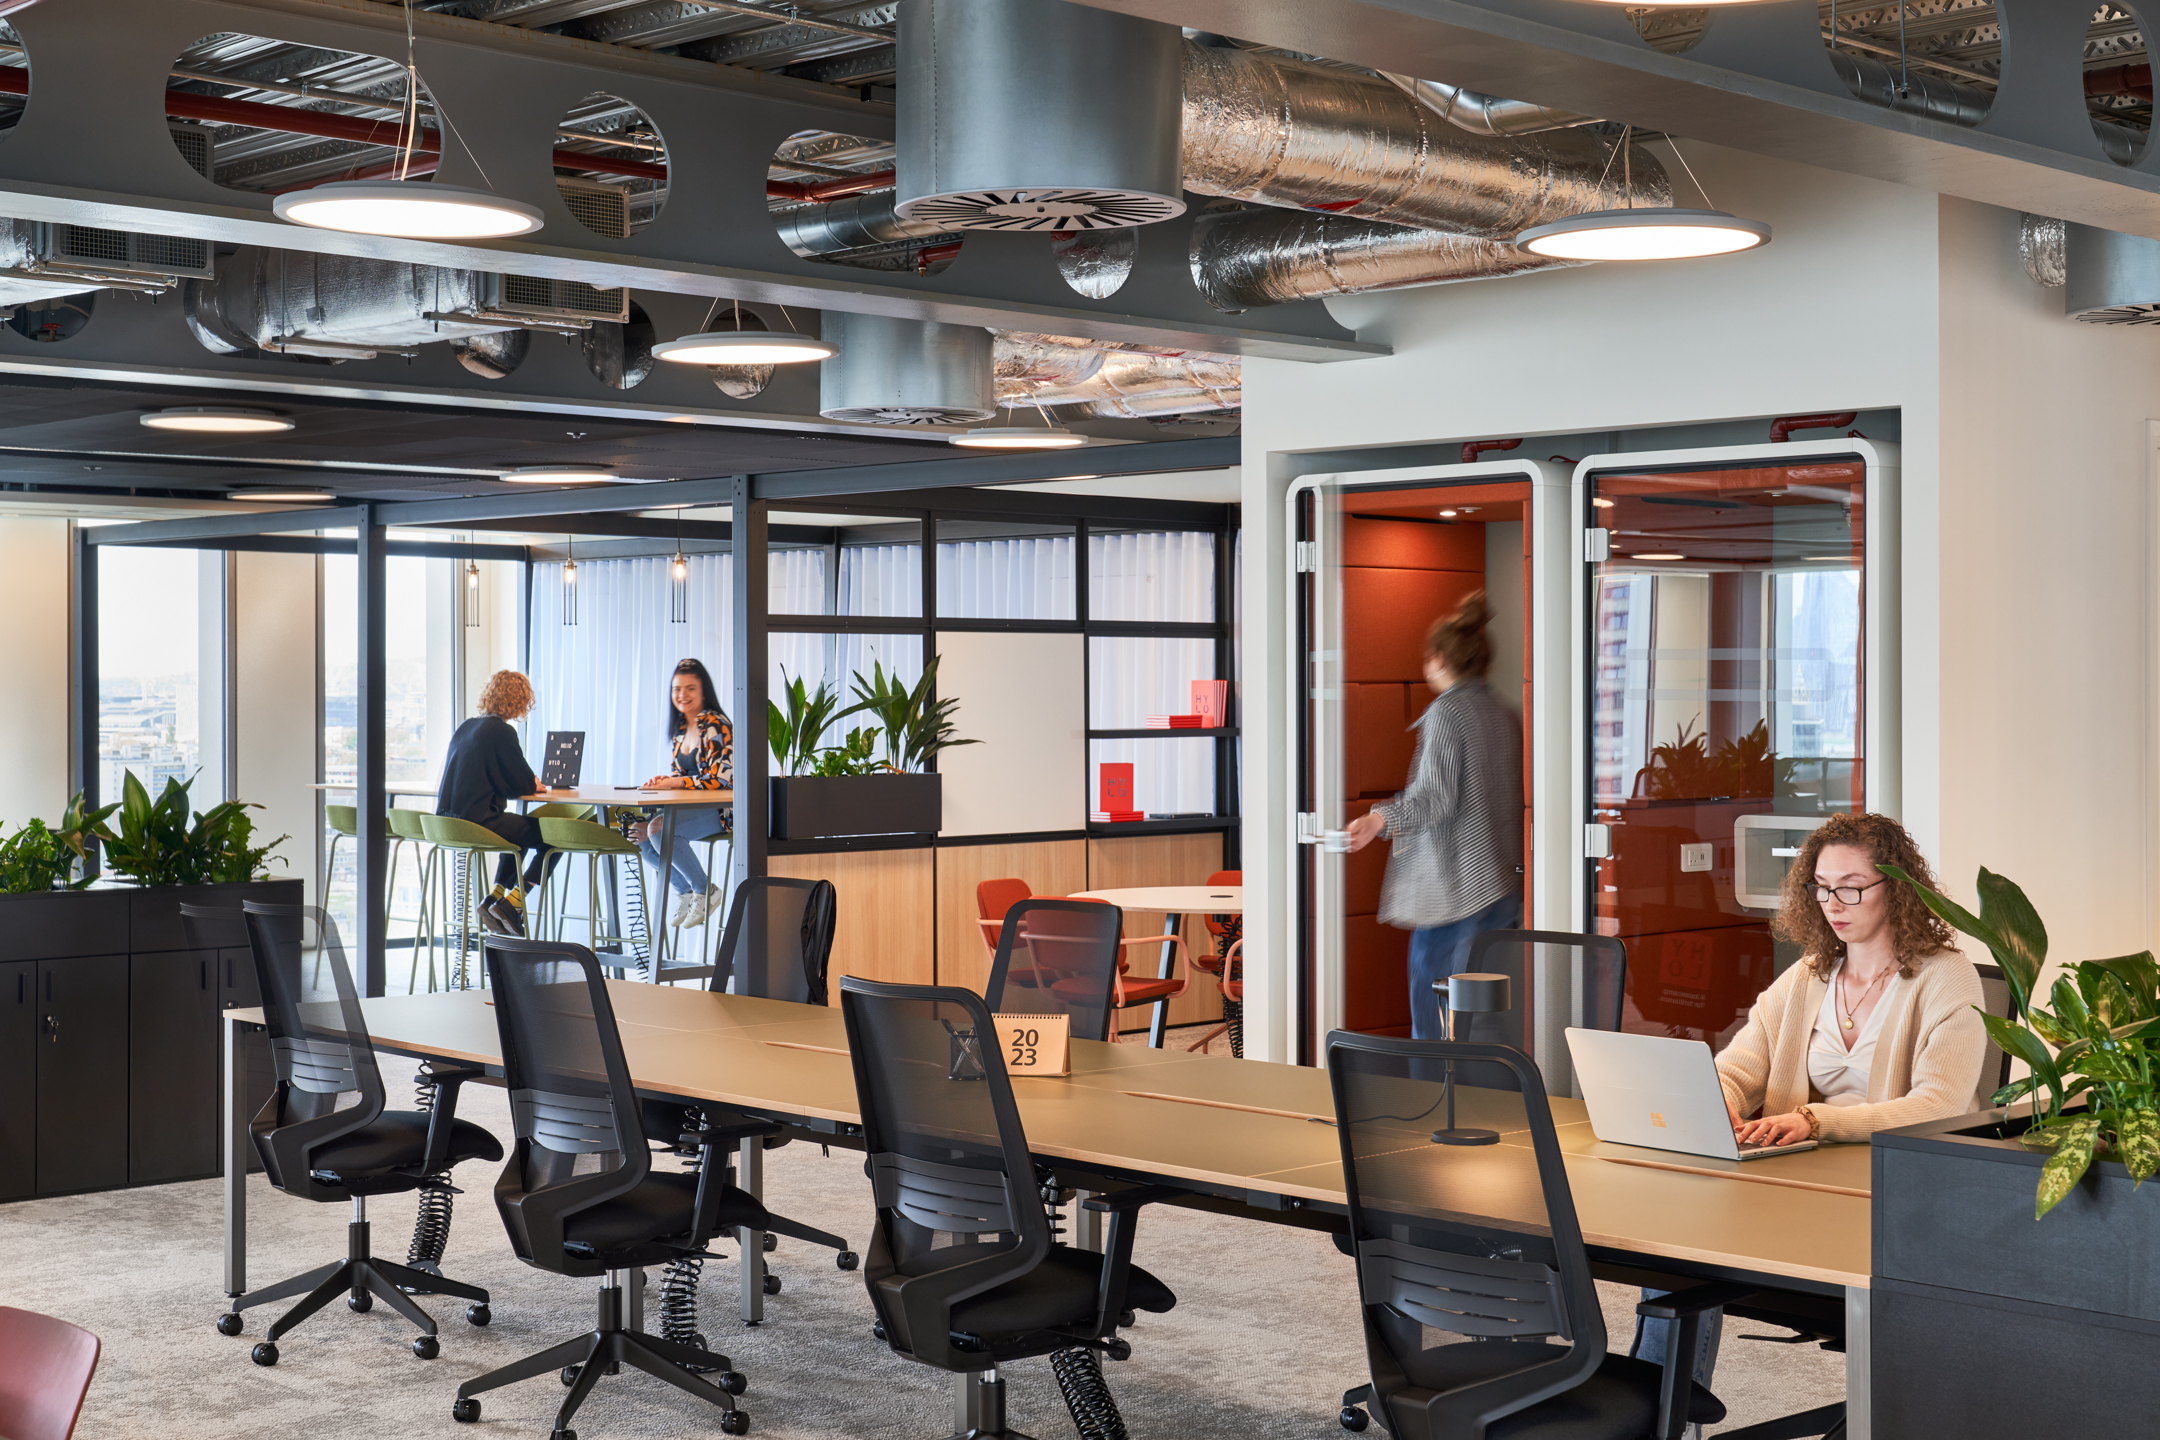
x: 1660, y: 232
x: 740, y: 340
x: 407, y: 208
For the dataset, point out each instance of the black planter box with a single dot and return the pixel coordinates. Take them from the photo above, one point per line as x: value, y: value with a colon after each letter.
x: 60, y: 924
x: 1989, y: 1323
x: 810, y: 807
x: 155, y: 921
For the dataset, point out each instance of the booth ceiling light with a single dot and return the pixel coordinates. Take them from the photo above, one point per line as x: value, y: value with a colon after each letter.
x: 408, y: 209
x: 216, y: 420
x: 1650, y: 233
x: 281, y: 493
x: 1658, y: 555
x: 744, y: 347
x: 560, y: 475
x: 1602, y: 503
x: 1019, y: 437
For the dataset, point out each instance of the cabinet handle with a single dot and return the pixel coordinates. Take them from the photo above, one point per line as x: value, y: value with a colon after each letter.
x: 203, y: 967
x: 22, y: 987
x: 48, y: 984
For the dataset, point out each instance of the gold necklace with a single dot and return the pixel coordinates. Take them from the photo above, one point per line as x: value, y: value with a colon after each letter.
x: 1853, y: 1009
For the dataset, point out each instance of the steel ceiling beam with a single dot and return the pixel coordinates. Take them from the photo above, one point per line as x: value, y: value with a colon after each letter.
x: 91, y: 148
x: 1760, y: 80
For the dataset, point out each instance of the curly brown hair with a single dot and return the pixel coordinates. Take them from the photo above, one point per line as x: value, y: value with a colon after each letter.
x: 1459, y: 638
x: 508, y: 696
x: 1915, y: 931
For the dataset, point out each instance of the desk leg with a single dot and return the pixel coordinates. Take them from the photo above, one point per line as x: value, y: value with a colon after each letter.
x: 234, y: 1145
x: 666, y: 932
x: 1161, y: 1023
x: 1859, y: 1363
x: 1087, y: 1224
x: 751, y: 1177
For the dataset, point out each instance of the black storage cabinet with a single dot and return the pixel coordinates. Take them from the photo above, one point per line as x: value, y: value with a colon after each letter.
x: 109, y: 1035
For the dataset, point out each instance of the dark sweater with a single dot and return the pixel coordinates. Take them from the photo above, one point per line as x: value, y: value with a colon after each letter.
x: 485, y: 767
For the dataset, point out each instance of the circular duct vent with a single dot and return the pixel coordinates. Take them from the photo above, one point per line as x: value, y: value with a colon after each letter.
x: 2123, y: 315
x: 1055, y: 209
x: 905, y: 372
x: 908, y: 414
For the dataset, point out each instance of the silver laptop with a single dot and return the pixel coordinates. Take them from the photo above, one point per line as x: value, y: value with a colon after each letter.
x: 1659, y: 1092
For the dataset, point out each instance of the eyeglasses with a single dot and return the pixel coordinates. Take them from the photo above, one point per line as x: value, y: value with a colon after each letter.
x: 1846, y: 894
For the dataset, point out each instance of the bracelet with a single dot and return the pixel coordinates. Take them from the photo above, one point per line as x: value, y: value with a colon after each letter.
x: 1814, y: 1124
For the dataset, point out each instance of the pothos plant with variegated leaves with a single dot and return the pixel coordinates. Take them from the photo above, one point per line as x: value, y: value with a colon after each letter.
x: 2098, y: 1045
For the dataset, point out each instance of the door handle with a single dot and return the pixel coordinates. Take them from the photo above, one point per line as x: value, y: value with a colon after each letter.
x: 1335, y: 842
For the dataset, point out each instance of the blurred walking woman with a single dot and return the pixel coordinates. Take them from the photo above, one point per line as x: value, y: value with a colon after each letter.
x: 1456, y: 866
x: 703, y: 748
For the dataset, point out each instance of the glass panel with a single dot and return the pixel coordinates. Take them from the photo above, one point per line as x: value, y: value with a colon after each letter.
x: 1132, y: 678
x: 993, y: 570
x: 405, y: 657
x: 1152, y: 575
x: 839, y: 661
x: 149, y: 680
x: 1727, y: 718
x: 1170, y: 777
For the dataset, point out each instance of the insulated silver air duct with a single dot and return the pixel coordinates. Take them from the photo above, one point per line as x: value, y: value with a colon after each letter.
x: 2040, y: 246
x: 1036, y: 115
x: 1485, y: 114
x: 1044, y: 370
x: 1267, y: 257
x: 855, y: 223
x: 1917, y: 92
x: 904, y: 372
x: 1278, y: 133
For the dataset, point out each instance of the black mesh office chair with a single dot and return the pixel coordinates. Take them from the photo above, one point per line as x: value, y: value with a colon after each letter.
x: 962, y: 1270
x: 1999, y: 1000
x: 1597, y: 965
x: 310, y: 1148
x: 1534, y: 1365
x: 580, y: 1196
x: 776, y: 945
x: 1059, y: 957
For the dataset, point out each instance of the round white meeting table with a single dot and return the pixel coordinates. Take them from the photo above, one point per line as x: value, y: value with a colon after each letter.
x: 1175, y: 902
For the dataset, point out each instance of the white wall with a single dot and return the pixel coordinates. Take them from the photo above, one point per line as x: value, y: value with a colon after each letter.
x: 278, y: 731
x: 36, y: 700
x: 1840, y: 312
x: 1024, y: 697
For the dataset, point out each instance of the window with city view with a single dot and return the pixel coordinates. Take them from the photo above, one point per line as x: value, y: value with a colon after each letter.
x: 149, y: 676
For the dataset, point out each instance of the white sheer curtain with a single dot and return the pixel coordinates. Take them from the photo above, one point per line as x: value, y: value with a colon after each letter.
x: 1027, y: 578
x: 1160, y: 575
x: 1167, y: 577
x: 881, y: 580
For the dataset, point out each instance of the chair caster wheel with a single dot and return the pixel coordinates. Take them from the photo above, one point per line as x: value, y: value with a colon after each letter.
x: 229, y: 1323
x: 877, y: 1328
x: 1118, y: 1349
x: 562, y: 1435
x: 1354, y: 1419
x: 264, y: 1354
x: 770, y: 1241
x: 569, y: 1374
x: 1126, y: 1319
x: 360, y: 1302
x: 847, y: 1260
x: 772, y: 1284
x: 465, y: 1411
x: 735, y: 1422
x: 478, y: 1314
x: 427, y: 1347
x: 731, y: 1381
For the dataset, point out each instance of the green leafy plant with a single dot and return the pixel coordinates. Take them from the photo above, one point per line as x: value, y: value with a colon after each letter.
x: 795, y: 733
x: 157, y: 845
x: 915, y: 729
x: 853, y: 758
x: 2098, y: 1044
x: 1743, y: 768
x: 33, y: 859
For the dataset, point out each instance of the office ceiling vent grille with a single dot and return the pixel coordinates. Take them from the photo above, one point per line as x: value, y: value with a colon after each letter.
x: 2110, y: 278
x: 602, y: 209
x: 905, y: 372
x: 1037, y: 115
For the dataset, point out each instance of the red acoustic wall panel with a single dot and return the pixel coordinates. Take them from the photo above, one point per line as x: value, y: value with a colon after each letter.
x: 1372, y: 541
x: 1386, y: 614
x: 1376, y: 976
x: 1376, y: 742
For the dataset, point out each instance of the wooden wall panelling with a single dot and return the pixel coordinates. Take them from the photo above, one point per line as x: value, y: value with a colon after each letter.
x: 1050, y: 867
x: 1125, y: 861
x: 887, y: 923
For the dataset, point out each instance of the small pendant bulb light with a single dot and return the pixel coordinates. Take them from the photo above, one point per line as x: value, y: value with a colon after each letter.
x: 679, y: 580
x: 472, y: 587
x: 569, y: 584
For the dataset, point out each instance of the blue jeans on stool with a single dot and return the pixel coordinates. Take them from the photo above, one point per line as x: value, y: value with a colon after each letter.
x: 1444, y: 950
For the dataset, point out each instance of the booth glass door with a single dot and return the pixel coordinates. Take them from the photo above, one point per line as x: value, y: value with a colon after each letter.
x: 1727, y: 716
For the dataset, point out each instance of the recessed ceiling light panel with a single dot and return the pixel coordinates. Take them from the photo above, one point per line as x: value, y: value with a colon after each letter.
x: 560, y: 475
x: 1019, y: 437
x: 282, y: 493
x: 1650, y: 233
x: 408, y: 209
x: 216, y: 420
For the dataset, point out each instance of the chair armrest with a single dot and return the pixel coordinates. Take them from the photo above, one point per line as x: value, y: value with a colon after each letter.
x: 445, y: 1083
x: 1125, y: 1202
x: 728, y: 1132
x: 1693, y: 1301
x: 705, y: 1207
x: 1685, y: 1308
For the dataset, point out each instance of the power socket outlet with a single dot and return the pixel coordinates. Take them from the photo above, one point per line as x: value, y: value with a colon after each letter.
x: 1694, y: 858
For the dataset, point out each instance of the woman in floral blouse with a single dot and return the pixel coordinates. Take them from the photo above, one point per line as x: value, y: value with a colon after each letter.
x: 704, y: 759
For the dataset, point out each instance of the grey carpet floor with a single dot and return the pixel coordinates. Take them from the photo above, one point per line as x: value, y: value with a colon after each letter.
x: 1263, y: 1341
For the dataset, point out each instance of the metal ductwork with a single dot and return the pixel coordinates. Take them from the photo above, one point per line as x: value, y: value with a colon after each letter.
x: 2110, y: 278
x: 855, y: 223
x: 1917, y: 92
x: 1278, y: 133
x: 1485, y: 114
x: 1112, y: 383
x: 1267, y: 257
x: 1036, y: 115
x: 905, y: 372
x: 2040, y: 246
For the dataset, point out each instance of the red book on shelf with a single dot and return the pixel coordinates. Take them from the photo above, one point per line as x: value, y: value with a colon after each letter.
x: 1114, y: 787
x: 1175, y: 722
x: 1116, y: 817
x: 1209, y: 699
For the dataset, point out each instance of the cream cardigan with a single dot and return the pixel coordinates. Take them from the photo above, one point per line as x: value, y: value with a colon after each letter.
x: 1928, y: 1053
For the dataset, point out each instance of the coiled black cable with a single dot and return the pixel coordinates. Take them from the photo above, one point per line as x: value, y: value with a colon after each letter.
x: 1087, y: 1395
x: 679, y: 1280
x: 431, y: 1226
x: 1054, y: 1200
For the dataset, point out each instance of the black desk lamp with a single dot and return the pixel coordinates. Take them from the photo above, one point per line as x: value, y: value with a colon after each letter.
x: 1477, y: 994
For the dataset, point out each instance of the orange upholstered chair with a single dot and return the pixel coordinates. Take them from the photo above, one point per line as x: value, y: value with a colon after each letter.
x: 994, y: 897
x: 45, y: 1367
x: 1219, y: 966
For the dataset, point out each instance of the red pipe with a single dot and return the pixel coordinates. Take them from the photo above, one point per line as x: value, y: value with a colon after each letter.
x: 1475, y: 448
x: 2132, y: 80
x: 829, y: 189
x: 931, y: 254
x: 1781, y: 428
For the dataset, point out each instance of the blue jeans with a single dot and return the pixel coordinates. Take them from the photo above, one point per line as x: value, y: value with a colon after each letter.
x: 694, y: 825
x: 1444, y: 950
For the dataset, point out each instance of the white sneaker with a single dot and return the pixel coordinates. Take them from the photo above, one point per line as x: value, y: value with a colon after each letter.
x: 685, y: 903
x: 706, y: 906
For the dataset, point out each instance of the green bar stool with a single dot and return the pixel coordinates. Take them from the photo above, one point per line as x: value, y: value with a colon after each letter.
x: 468, y: 845
x: 405, y: 829
x: 594, y: 841
x: 546, y: 919
x: 344, y: 822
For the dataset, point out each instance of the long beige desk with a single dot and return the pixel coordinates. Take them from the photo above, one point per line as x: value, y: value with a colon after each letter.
x: 1246, y: 1133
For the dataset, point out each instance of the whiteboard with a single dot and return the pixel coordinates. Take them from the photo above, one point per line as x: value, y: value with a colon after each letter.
x: 1025, y: 697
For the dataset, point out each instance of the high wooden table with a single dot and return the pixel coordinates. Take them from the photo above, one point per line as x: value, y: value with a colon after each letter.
x: 1244, y: 1137
x: 1175, y: 902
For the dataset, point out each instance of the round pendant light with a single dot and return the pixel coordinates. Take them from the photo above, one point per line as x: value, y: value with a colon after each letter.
x: 291, y: 494
x: 1650, y: 233
x: 744, y: 347
x: 216, y: 420
x: 560, y: 475
x: 408, y: 209
x: 1019, y: 437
